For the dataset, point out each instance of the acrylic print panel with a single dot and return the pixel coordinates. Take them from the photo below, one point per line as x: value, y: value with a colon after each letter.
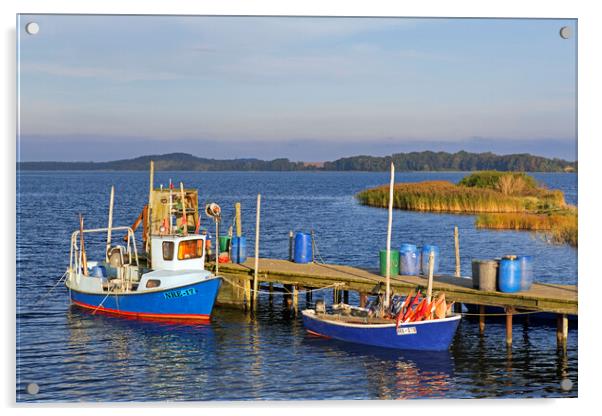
x: 145, y: 142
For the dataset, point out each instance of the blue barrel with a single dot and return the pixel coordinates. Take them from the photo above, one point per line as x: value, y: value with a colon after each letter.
x: 409, y: 260
x: 239, y: 250
x: 426, y: 251
x: 509, y: 275
x: 303, y: 251
x: 526, y: 272
x: 98, y: 271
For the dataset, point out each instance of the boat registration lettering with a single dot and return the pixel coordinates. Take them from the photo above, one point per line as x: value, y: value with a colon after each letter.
x: 406, y: 330
x: 180, y: 293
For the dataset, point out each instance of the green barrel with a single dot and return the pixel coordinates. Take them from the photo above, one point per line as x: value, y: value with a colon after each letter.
x: 394, y: 262
x: 224, y: 243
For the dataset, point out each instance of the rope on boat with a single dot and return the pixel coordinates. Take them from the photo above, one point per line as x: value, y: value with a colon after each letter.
x: 51, y: 289
x: 286, y: 292
x: 103, y: 301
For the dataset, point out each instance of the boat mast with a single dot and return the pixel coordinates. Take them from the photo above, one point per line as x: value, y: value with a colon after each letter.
x: 149, y: 213
x: 170, y: 206
x: 184, y: 218
x: 389, y: 226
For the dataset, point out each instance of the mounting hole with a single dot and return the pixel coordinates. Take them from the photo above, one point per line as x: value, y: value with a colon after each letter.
x: 565, y: 32
x: 32, y: 28
x: 33, y: 388
x: 566, y: 384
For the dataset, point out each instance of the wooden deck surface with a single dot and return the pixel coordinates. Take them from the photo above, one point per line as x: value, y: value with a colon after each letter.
x: 542, y: 296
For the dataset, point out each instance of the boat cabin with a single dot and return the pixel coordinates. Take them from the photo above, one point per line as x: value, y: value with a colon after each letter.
x: 177, y: 252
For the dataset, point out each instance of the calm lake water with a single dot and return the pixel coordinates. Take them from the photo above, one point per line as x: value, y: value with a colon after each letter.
x: 74, y: 356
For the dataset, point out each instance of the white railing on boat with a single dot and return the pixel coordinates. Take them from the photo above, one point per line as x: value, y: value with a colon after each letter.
x: 75, y: 254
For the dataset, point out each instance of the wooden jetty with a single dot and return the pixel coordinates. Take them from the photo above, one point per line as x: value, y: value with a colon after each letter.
x: 554, y: 298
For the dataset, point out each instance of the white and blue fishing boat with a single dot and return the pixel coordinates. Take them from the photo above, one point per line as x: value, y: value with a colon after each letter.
x: 430, y: 335
x: 387, y: 327
x: 169, y: 282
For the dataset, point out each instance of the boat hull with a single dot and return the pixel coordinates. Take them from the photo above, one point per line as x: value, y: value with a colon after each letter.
x: 434, y: 335
x: 192, y: 301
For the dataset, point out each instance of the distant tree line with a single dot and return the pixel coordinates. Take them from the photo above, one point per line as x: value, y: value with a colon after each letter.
x: 414, y: 161
x: 460, y: 161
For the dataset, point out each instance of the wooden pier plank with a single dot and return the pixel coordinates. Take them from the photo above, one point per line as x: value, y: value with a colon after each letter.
x: 542, y: 296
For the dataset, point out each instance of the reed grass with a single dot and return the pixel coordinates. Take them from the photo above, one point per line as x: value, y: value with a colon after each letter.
x: 502, y: 200
x: 443, y: 196
x: 559, y: 227
x: 488, y: 191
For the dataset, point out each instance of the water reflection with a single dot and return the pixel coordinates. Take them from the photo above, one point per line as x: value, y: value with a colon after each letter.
x: 165, y: 354
x: 393, y: 374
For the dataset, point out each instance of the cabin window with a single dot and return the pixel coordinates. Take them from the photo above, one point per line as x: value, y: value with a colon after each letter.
x: 190, y: 249
x: 168, y: 250
x: 150, y: 283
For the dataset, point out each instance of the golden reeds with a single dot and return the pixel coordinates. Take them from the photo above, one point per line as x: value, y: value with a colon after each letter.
x: 442, y: 196
x: 560, y: 227
x: 503, y: 200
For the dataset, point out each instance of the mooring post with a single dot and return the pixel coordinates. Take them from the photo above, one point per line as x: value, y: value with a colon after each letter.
x: 562, y: 330
x: 363, y: 299
x: 313, y: 247
x: 256, y: 274
x: 271, y: 295
x: 509, y: 312
x: 248, y: 293
x: 457, y: 246
x: 346, y: 297
x: 288, y: 294
x: 482, y: 319
x: 295, y: 298
x: 307, y: 296
x: 238, y: 219
x: 290, y: 245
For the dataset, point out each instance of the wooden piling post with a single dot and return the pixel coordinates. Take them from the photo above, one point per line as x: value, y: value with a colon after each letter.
x: 271, y: 295
x: 562, y: 330
x: 363, y: 299
x: 429, y: 289
x: 509, y: 312
x: 238, y: 220
x: 247, y: 286
x: 295, y: 298
x: 313, y: 247
x: 307, y: 296
x: 482, y: 319
x: 457, y: 246
x: 346, y: 297
x: 256, y: 277
x: 389, y: 227
x: 290, y: 245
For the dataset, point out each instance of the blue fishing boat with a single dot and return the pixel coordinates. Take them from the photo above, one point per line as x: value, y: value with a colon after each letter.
x: 170, y: 282
x: 431, y: 335
x: 408, y: 324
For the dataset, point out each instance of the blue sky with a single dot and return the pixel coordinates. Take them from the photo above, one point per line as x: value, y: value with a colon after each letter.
x: 110, y: 87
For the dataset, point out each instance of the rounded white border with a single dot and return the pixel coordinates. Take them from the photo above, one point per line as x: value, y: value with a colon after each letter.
x: 589, y: 33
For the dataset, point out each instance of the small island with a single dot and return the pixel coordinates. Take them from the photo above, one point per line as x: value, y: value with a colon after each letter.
x: 501, y: 200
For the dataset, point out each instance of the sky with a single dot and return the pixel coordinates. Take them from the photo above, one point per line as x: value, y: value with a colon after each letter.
x: 96, y: 88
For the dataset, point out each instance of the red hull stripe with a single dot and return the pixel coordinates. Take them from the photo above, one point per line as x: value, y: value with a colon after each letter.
x: 316, y: 334
x: 143, y: 314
